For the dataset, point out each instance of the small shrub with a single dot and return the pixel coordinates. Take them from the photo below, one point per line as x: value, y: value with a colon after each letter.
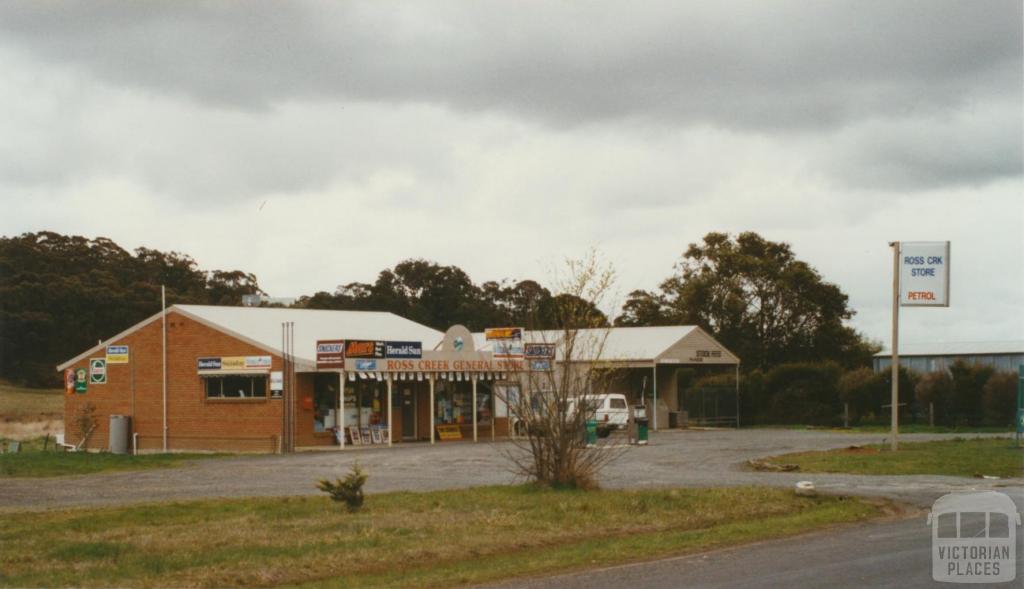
x: 349, y: 489
x: 85, y: 421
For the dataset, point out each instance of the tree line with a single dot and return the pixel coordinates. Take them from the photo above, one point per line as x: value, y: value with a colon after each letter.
x: 825, y: 394
x: 59, y: 294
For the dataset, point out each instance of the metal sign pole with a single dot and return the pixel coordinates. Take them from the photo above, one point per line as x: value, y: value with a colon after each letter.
x: 895, y: 411
x: 163, y: 308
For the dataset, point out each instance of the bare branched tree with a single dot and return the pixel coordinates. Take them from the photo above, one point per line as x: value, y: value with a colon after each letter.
x: 556, y: 396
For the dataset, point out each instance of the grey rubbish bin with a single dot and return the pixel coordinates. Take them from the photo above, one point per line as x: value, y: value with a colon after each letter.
x: 120, y: 433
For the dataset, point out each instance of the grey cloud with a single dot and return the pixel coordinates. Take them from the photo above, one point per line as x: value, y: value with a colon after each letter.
x: 766, y: 65
x: 921, y: 153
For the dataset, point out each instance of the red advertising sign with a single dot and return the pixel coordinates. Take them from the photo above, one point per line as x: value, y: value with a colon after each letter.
x: 330, y: 353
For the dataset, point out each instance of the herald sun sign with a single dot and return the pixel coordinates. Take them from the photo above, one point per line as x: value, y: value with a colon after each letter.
x: 924, y: 274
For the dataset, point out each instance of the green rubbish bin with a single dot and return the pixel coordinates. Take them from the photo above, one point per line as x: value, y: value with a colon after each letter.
x: 591, y: 438
x: 641, y: 431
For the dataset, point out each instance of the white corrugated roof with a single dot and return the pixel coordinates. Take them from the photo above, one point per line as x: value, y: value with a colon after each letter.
x: 957, y: 349
x: 262, y: 325
x: 641, y: 344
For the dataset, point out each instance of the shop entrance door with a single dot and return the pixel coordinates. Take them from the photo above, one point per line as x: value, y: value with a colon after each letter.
x: 408, y: 414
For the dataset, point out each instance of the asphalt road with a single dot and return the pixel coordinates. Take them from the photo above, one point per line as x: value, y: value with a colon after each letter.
x: 674, y: 458
x: 889, y: 554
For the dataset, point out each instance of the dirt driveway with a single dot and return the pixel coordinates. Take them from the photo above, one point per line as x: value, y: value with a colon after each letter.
x: 674, y: 458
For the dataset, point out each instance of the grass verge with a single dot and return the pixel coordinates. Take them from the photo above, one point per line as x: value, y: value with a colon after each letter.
x: 20, y: 403
x: 35, y: 461
x: 431, y: 539
x: 957, y: 457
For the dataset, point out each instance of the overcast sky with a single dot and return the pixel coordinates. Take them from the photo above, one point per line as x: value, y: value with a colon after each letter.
x: 315, y: 144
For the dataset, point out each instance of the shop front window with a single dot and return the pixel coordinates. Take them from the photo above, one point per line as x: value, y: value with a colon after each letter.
x: 235, y: 387
x: 368, y: 400
x: 454, y: 403
x: 325, y: 402
x: 484, y: 403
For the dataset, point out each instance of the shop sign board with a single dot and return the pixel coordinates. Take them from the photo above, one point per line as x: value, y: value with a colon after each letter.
x: 330, y: 353
x: 209, y: 363
x: 366, y: 365
x: 449, y: 432
x: 364, y: 349
x: 495, y: 333
x: 507, y: 348
x: 924, y: 274
x: 117, y: 354
x: 69, y: 381
x: 97, y: 371
x: 403, y: 349
x: 539, y: 351
x: 277, y: 381
x: 544, y: 364
x: 257, y: 362
x: 81, y: 380
x: 233, y: 363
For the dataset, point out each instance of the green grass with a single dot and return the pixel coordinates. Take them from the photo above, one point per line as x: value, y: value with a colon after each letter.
x: 34, y: 461
x: 442, y: 538
x: 19, y: 403
x: 958, y: 457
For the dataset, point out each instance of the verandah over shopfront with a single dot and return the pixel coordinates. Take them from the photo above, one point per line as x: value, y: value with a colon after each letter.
x: 503, y: 359
x: 455, y: 367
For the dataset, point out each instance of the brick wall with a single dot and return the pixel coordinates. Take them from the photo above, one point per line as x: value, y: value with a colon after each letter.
x: 194, y: 422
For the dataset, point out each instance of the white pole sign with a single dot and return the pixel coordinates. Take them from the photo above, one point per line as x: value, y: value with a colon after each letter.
x: 924, y: 274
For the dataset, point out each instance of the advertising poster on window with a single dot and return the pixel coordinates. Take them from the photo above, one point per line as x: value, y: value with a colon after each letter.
x: 924, y: 274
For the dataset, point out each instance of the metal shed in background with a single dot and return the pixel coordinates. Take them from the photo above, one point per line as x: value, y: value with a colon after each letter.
x: 1004, y: 356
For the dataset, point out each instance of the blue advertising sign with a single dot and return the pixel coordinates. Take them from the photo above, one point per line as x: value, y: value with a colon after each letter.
x: 366, y: 365
x: 540, y: 364
x: 209, y: 364
x: 403, y: 349
x: 540, y: 351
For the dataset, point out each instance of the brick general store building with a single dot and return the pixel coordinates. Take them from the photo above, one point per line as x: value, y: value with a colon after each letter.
x: 272, y: 380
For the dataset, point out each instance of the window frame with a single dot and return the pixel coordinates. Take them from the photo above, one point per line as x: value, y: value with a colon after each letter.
x: 252, y: 398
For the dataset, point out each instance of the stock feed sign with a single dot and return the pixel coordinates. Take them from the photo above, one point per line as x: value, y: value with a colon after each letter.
x: 924, y: 274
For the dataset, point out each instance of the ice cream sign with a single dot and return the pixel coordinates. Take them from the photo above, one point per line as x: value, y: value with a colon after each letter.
x: 924, y: 274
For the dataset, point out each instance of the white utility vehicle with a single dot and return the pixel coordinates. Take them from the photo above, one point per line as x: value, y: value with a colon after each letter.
x: 610, y: 411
